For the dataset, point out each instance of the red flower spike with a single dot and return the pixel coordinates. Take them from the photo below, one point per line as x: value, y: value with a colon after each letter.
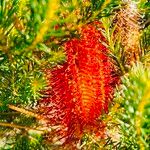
x: 82, y: 88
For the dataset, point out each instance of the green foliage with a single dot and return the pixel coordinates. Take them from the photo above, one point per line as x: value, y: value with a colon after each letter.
x: 89, y: 142
x: 145, y: 45
x: 32, y: 34
x: 134, y: 99
x: 114, y: 44
x: 24, y: 141
x: 20, y: 82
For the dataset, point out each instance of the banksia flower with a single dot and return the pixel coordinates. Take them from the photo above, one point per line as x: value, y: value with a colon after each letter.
x: 128, y: 28
x: 82, y: 88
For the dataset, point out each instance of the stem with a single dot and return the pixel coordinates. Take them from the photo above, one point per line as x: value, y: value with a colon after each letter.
x: 50, y: 14
x: 144, y: 101
x: 9, y: 113
x: 17, y: 126
x: 24, y: 111
x: 119, y: 64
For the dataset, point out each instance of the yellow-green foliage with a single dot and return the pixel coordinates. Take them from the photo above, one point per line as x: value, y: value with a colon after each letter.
x: 134, y: 99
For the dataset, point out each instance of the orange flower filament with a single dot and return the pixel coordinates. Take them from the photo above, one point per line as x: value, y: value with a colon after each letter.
x: 81, y: 88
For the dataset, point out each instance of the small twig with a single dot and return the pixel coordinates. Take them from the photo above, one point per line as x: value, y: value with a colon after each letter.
x: 27, y: 112
x: 9, y: 113
x: 18, y: 126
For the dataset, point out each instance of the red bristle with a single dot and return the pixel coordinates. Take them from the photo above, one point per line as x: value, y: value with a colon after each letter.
x: 82, y: 88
